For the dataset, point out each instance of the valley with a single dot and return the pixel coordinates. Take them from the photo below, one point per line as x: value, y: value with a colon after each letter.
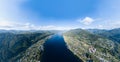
x: 77, y: 45
x: 57, y: 51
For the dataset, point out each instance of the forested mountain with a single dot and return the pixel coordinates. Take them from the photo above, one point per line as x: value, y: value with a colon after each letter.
x: 113, y: 34
x: 94, y: 45
x: 21, y: 46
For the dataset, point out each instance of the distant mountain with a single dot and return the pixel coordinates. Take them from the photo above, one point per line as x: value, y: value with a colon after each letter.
x: 21, y: 46
x: 113, y: 34
x: 94, y: 45
x: 96, y: 31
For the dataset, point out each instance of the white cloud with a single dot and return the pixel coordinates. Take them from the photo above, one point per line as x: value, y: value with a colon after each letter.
x: 108, y: 24
x: 86, y: 20
x: 112, y: 24
x: 98, y: 23
x: 9, y: 25
x: 15, y: 25
x: 51, y: 27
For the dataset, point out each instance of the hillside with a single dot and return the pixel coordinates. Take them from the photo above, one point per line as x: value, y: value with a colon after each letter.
x: 22, y: 46
x: 113, y: 34
x: 89, y: 46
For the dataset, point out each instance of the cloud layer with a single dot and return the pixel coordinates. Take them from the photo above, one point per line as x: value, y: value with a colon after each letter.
x: 9, y: 25
x: 86, y: 23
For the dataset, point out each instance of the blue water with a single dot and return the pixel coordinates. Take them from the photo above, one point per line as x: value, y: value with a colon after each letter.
x: 55, y: 50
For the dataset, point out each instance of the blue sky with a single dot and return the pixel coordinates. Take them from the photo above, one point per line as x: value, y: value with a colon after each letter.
x: 59, y: 14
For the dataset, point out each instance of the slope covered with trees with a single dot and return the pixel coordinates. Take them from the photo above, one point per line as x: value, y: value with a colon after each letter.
x: 90, y: 46
x: 15, y: 45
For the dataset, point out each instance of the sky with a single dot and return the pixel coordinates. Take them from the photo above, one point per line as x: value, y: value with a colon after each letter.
x: 59, y: 14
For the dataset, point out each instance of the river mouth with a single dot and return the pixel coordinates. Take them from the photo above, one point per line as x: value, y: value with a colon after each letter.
x: 55, y: 50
